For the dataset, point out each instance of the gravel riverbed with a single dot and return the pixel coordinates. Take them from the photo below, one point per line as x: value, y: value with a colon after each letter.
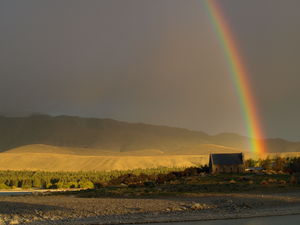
x: 61, y: 209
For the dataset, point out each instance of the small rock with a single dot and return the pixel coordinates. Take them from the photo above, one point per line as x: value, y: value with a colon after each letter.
x: 264, y: 182
x: 282, y: 182
x: 2, y: 222
x: 198, y: 206
x: 14, y: 221
x: 176, y: 209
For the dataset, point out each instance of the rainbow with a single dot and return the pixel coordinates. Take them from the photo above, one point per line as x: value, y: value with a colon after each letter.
x: 239, y: 76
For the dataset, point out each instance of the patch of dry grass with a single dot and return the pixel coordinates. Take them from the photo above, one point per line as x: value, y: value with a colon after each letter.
x: 68, y: 162
x: 52, y: 158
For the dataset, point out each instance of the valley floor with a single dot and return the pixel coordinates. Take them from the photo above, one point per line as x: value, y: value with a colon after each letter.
x: 71, y: 209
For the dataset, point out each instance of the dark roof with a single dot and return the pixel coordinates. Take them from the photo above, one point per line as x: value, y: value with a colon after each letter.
x: 227, y: 159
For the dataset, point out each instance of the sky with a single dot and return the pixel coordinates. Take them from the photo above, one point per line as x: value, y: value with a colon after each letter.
x: 156, y: 62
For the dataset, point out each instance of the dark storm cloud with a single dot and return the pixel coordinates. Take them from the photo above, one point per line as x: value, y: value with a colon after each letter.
x: 149, y: 61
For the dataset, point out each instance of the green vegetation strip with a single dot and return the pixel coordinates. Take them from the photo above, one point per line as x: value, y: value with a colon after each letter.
x: 53, y: 180
x: 278, y: 172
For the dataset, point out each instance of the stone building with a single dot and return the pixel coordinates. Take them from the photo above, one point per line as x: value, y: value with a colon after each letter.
x: 226, y: 163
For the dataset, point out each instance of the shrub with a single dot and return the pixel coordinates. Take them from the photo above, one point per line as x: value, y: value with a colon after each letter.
x: 264, y: 182
x: 37, y: 182
x: 27, y: 183
x: 85, y: 184
x: 72, y: 185
x: 282, y: 182
x: 250, y: 163
x: 149, y: 184
x: 250, y: 182
x: 293, y: 180
x: 293, y: 165
x: 232, y: 181
x: 4, y: 186
x: 52, y: 186
x: 164, y: 178
x: 192, y: 171
x: 272, y: 181
x: 98, y: 185
x: 125, y: 179
x: 279, y: 164
x: 266, y: 163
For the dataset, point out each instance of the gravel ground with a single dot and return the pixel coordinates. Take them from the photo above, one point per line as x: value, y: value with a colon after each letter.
x: 75, y: 210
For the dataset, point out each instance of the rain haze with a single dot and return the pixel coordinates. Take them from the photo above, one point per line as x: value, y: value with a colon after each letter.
x: 156, y: 62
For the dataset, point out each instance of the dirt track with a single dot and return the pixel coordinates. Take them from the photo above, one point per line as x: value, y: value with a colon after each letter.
x: 74, y: 210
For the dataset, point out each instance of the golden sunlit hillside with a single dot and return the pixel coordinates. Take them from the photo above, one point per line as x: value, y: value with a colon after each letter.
x: 50, y: 158
x: 72, y: 143
x: 53, y: 158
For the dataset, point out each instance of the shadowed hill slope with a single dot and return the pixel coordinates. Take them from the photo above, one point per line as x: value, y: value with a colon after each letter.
x: 93, y: 133
x: 115, y: 136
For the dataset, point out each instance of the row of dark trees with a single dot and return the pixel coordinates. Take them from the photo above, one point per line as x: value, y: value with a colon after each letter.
x: 145, y: 177
x: 284, y: 164
x: 161, y: 178
x: 54, y: 180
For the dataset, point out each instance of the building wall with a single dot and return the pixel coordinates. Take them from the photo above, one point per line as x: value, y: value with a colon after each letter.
x: 227, y: 168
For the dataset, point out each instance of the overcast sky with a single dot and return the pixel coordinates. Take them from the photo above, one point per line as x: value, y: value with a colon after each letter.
x: 148, y: 61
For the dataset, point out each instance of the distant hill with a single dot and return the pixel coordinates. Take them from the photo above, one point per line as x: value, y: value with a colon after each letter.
x: 204, y: 149
x: 69, y: 143
x: 53, y: 158
x: 91, y: 135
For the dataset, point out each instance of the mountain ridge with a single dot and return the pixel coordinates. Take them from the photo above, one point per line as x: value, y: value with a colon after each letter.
x: 117, y: 136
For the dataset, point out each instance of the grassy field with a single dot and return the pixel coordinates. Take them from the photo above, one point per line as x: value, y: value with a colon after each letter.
x: 66, y: 162
x: 52, y: 158
x: 84, y: 179
x: 160, y: 181
x: 193, y: 185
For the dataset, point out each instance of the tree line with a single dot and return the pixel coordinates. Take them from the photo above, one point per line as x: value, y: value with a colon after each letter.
x: 283, y: 164
x: 145, y: 177
x: 83, y: 179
